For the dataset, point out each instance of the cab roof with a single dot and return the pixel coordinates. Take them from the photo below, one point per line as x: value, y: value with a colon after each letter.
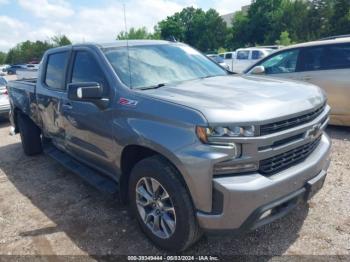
x: 123, y: 43
x: 117, y: 43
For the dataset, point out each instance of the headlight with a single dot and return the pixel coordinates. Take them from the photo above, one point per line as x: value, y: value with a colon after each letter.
x: 205, y: 133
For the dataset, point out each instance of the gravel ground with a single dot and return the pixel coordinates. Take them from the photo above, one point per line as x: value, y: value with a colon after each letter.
x: 47, y: 210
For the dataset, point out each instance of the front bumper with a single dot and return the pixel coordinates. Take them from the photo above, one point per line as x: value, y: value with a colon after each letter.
x: 244, y: 198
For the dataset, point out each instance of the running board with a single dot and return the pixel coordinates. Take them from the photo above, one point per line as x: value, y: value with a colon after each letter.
x: 97, y: 180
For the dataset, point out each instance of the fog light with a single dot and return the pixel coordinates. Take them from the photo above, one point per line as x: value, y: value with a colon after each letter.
x: 229, y: 168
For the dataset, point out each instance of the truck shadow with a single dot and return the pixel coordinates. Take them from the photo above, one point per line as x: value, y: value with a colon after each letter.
x: 99, y: 225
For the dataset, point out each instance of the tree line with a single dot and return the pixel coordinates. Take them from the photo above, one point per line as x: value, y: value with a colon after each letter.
x: 266, y: 22
x: 29, y: 51
x: 287, y: 21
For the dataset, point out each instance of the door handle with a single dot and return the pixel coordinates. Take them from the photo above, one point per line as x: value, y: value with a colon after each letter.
x: 307, y: 78
x: 67, y: 106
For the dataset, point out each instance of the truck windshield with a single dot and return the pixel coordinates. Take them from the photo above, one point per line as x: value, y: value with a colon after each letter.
x: 158, y: 65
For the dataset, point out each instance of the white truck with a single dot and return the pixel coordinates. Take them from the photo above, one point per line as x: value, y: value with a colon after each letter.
x: 228, y: 57
x: 242, y: 58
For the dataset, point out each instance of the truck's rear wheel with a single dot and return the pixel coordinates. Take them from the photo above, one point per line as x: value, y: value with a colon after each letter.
x: 162, y: 205
x: 30, y: 135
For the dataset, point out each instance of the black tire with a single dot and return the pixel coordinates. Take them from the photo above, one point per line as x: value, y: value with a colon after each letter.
x: 30, y: 135
x: 187, y: 230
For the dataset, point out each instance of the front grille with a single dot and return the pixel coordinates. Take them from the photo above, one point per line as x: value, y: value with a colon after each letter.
x: 275, y: 164
x: 289, y: 123
x: 282, y: 142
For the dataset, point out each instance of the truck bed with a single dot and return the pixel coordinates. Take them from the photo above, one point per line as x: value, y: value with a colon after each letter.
x: 22, y: 94
x: 27, y: 84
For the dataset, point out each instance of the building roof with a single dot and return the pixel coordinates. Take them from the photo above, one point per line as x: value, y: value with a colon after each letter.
x: 228, y: 18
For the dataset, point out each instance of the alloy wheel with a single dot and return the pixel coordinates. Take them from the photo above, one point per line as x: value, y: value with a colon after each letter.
x: 155, y: 207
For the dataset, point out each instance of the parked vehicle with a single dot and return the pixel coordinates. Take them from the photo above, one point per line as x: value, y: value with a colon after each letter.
x: 245, y: 57
x: 219, y: 60
x: 228, y: 58
x: 323, y: 63
x: 32, y: 66
x: 274, y: 47
x: 3, y: 69
x: 34, y: 62
x: 30, y: 71
x: 190, y: 146
x: 12, y: 70
x: 4, y: 100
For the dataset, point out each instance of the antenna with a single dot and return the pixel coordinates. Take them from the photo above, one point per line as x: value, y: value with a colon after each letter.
x: 127, y: 45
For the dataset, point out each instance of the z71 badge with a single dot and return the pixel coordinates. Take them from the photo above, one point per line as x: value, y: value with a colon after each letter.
x: 127, y: 102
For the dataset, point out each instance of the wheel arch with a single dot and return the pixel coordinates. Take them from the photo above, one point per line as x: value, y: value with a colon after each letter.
x: 132, y: 154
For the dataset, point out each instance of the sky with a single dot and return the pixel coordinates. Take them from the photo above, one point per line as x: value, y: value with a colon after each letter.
x: 92, y: 20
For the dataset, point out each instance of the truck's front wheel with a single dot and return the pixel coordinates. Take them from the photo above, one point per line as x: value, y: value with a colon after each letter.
x: 162, y: 205
x: 30, y: 135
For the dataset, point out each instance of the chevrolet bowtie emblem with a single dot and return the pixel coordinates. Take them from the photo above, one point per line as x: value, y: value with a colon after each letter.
x: 314, y: 132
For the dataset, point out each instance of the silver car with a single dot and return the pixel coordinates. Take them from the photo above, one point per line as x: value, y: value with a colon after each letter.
x: 4, y: 100
x: 324, y: 63
x: 219, y: 60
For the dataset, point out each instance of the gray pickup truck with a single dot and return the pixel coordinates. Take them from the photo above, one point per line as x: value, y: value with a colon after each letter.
x: 190, y: 146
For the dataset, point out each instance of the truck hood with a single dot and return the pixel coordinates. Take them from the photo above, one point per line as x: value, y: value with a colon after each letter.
x: 243, y: 99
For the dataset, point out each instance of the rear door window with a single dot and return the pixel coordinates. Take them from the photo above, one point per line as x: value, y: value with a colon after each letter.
x: 243, y: 55
x: 256, y: 54
x: 86, y: 69
x: 337, y: 57
x: 311, y: 59
x: 55, y: 70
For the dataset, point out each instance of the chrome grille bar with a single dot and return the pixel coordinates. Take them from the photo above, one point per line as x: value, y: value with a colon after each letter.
x: 289, y: 123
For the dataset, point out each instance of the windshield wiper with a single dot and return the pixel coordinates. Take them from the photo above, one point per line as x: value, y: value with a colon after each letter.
x: 211, y: 76
x: 152, y: 87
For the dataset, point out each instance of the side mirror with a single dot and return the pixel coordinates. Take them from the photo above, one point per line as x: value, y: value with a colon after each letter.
x: 88, y: 92
x: 258, y: 70
x: 84, y: 91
